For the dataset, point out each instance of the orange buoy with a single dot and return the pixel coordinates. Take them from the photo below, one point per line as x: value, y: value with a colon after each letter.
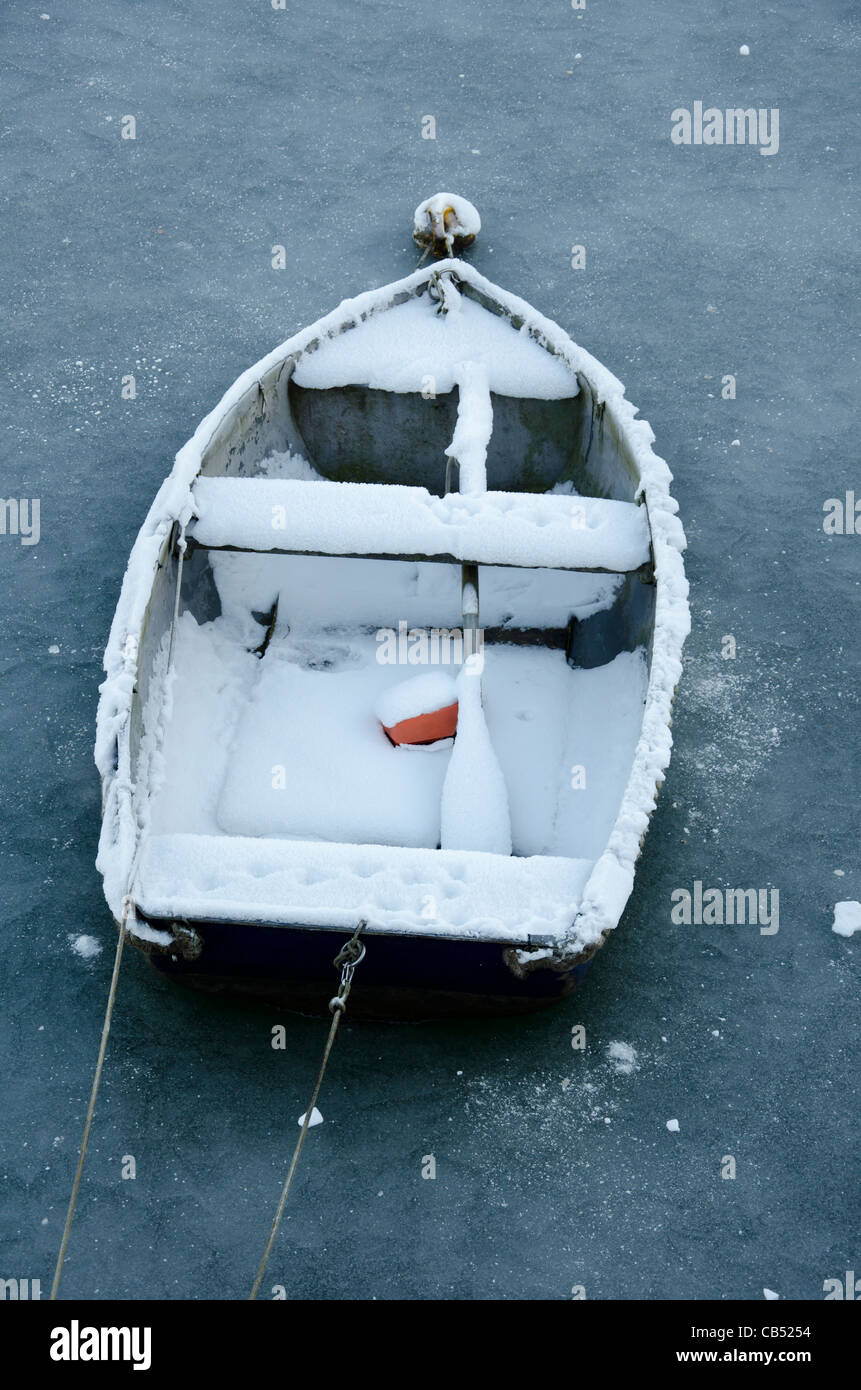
x: 425, y: 728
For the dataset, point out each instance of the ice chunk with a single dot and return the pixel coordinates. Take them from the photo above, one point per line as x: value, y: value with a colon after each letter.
x: 847, y: 918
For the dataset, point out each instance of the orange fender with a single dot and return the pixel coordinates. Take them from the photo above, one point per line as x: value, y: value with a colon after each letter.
x: 425, y: 728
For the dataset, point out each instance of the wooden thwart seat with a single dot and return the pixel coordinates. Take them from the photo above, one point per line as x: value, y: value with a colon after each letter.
x: 517, y: 901
x: 533, y: 530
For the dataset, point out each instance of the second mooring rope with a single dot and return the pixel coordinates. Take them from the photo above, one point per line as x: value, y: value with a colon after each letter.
x: 88, y: 1123
x: 347, y: 959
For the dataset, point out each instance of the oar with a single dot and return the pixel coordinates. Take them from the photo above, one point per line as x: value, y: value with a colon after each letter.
x: 474, y: 810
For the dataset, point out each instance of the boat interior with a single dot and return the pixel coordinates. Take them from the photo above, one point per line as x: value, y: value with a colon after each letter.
x: 268, y: 773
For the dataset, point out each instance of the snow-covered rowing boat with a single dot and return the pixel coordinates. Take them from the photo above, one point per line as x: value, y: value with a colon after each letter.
x: 432, y: 481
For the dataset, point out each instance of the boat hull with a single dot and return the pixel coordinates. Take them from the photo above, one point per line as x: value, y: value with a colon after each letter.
x: 400, y: 978
x: 589, y: 444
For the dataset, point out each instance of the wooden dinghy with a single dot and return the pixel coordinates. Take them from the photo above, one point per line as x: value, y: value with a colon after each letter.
x: 433, y: 481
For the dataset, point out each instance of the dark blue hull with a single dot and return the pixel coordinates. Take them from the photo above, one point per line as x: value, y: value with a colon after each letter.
x: 399, y: 978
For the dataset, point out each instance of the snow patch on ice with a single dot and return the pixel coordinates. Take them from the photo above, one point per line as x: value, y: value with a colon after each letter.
x: 847, y: 918
x: 753, y: 715
x: 623, y: 1057
x: 85, y: 946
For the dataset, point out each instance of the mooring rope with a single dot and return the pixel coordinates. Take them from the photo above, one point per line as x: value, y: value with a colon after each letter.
x: 347, y: 959
x: 103, y: 1045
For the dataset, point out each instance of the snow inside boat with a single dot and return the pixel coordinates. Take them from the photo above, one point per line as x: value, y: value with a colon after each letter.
x: 432, y: 460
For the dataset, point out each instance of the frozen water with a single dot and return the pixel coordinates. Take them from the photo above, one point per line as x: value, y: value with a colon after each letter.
x: 153, y: 257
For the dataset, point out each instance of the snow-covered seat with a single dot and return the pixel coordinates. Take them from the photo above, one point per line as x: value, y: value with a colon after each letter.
x: 536, y: 530
x: 460, y: 894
